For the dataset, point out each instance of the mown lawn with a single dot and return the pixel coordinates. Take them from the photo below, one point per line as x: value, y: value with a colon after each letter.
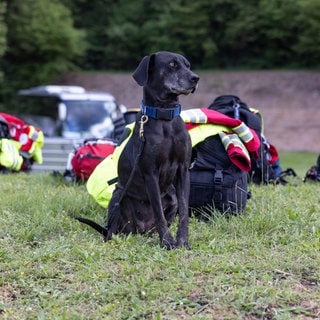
x: 264, y: 264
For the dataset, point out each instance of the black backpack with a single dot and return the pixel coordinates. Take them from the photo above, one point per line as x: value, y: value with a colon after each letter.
x: 4, y: 134
x: 313, y: 174
x: 230, y: 105
x: 4, y: 128
x: 215, y: 182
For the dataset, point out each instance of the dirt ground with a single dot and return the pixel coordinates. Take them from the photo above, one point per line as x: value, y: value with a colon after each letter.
x: 288, y: 100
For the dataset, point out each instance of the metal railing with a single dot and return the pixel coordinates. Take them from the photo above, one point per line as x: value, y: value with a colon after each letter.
x: 55, y: 153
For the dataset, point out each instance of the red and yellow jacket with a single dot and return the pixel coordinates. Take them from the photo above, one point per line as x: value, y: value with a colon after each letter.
x: 26, y: 139
x: 238, y: 139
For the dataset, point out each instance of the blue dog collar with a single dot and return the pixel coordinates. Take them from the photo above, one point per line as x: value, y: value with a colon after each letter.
x: 160, y: 113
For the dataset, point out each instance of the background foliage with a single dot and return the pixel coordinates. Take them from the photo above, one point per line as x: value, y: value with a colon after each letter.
x: 39, y: 39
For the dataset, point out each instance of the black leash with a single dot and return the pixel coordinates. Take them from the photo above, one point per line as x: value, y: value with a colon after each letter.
x: 115, y: 218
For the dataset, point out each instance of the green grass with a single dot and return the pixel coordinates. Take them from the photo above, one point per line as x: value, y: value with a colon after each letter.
x: 299, y: 161
x: 264, y: 264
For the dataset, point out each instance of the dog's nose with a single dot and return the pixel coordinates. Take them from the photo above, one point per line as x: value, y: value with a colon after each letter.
x: 195, y: 78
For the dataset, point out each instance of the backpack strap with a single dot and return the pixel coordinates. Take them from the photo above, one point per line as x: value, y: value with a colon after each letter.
x: 258, y: 113
x: 218, y: 180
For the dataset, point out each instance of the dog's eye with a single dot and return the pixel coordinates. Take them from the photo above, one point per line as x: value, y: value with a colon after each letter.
x: 173, y: 64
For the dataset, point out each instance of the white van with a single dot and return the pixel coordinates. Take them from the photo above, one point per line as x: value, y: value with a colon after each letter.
x: 68, y: 115
x: 70, y: 111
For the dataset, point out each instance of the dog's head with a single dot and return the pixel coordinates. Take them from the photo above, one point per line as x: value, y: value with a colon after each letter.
x: 166, y: 73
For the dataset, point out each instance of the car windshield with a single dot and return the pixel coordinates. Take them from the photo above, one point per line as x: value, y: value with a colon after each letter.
x: 87, y: 118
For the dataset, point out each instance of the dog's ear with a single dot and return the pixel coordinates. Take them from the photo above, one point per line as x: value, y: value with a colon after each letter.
x: 141, y: 73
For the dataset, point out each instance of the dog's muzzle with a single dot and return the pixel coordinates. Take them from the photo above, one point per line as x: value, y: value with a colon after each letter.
x: 195, y: 88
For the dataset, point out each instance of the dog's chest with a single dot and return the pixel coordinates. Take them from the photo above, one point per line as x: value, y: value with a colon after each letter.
x: 168, y: 141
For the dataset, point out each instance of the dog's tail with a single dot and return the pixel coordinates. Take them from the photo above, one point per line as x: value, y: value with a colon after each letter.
x: 94, y: 225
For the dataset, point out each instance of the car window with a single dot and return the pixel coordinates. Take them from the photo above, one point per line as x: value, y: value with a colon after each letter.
x: 89, y: 118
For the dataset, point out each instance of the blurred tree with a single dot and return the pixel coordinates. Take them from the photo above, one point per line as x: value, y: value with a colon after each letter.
x: 93, y: 16
x: 183, y: 27
x: 3, y: 33
x: 127, y: 37
x: 261, y: 34
x: 42, y: 42
x: 211, y: 33
x: 221, y: 14
x: 141, y: 27
x: 308, y: 26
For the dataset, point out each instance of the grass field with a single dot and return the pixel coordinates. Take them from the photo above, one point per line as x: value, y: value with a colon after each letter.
x: 264, y: 264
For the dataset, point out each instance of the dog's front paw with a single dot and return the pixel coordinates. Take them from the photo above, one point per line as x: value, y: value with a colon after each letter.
x: 169, y: 246
x: 168, y: 242
x: 183, y: 244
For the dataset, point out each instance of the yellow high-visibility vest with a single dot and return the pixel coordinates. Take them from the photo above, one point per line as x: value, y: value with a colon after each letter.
x: 9, y: 154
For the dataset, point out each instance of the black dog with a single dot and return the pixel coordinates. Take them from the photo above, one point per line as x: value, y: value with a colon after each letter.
x: 153, y: 167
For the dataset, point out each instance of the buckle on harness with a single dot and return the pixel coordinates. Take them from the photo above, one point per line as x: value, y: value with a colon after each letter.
x: 218, y: 177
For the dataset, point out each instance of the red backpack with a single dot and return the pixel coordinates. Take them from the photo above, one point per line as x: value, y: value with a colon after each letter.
x: 88, y: 155
x: 25, y: 139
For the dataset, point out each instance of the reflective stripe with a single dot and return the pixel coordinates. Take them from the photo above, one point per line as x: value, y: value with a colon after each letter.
x: 243, y: 132
x: 225, y: 139
x: 194, y: 116
x: 16, y: 165
x: 9, y: 155
x: 33, y: 133
x: 233, y: 139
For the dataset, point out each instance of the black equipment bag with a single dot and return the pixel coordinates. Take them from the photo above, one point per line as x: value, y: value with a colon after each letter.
x: 233, y: 107
x: 215, y: 182
x: 313, y: 174
x: 4, y: 128
x: 230, y: 105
